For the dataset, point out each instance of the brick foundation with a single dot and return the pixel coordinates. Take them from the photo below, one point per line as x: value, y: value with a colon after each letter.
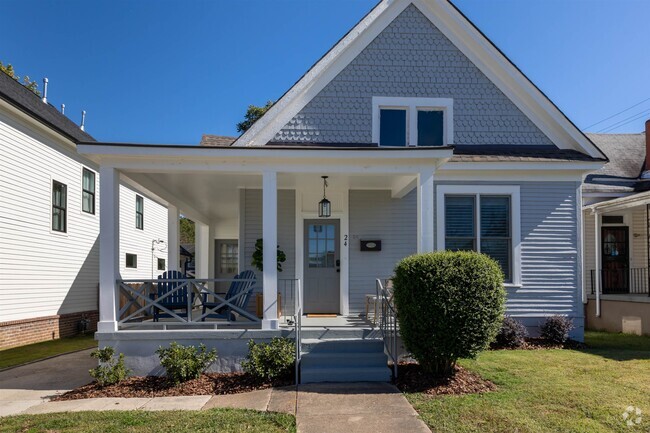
x: 21, y: 332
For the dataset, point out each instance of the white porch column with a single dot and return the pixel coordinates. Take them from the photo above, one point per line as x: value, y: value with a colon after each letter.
x: 202, y: 249
x: 597, y: 273
x: 425, y: 212
x: 173, y: 238
x: 109, y: 247
x: 270, y: 239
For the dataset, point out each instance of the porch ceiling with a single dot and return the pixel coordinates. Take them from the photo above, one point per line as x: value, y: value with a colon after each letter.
x: 215, y: 196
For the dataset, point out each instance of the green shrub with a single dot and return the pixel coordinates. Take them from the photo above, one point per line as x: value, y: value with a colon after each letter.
x: 270, y: 361
x: 512, y: 334
x: 556, y: 329
x: 110, y: 370
x: 183, y: 363
x: 449, y: 305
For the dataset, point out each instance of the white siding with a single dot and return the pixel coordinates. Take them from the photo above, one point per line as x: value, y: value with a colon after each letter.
x: 138, y: 242
x: 42, y: 272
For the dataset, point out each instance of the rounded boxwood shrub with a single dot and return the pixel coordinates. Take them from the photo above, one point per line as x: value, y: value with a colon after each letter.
x: 512, y: 334
x: 449, y: 305
x: 556, y: 329
x: 270, y: 361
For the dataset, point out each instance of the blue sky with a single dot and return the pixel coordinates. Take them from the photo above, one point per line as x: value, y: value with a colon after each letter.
x: 168, y: 71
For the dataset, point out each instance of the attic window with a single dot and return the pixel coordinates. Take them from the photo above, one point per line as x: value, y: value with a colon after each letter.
x: 403, y: 122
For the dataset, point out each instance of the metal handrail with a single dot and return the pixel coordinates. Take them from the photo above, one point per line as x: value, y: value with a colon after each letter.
x: 388, y: 324
x: 298, y: 329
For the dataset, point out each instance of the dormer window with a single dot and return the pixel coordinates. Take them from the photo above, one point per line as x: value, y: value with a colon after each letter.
x: 400, y: 122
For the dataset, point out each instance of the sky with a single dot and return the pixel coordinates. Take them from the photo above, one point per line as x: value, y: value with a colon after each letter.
x: 169, y: 71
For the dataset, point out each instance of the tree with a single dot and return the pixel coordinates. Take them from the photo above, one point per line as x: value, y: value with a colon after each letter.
x: 186, y: 227
x: 27, y: 82
x: 252, y: 114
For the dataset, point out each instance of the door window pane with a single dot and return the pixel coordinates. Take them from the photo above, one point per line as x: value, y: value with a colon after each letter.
x: 229, y: 258
x: 392, y: 127
x: 430, y: 128
x: 321, y: 245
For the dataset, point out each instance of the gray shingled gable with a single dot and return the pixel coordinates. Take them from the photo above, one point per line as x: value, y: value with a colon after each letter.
x: 25, y: 100
x: 412, y: 58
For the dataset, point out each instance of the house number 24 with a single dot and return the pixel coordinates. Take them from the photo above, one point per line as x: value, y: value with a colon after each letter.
x: 345, y: 240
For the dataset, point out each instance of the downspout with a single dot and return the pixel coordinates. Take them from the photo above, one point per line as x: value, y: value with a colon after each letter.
x: 597, y: 272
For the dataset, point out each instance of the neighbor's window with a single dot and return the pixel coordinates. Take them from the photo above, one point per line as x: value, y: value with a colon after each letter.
x: 403, y: 122
x: 131, y: 260
x: 481, y: 223
x: 161, y: 264
x: 59, y: 207
x: 88, y: 191
x: 139, y: 212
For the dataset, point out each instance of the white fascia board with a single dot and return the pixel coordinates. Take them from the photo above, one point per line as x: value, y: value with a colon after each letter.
x: 510, y: 80
x: 640, y: 199
x: 586, y: 166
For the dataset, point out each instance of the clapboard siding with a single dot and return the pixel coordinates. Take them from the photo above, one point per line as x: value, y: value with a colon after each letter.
x: 135, y: 241
x: 44, y: 273
x: 252, y: 223
x: 549, y: 252
x: 375, y: 215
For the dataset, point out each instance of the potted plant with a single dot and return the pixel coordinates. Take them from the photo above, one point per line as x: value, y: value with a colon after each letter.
x: 258, y: 256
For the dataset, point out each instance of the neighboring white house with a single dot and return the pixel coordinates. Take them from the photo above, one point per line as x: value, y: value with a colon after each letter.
x: 428, y: 137
x: 49, y: 223
x: 616, y: 241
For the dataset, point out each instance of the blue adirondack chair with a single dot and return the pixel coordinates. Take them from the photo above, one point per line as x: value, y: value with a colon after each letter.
x: 241, y: 283
x: 177, y: 301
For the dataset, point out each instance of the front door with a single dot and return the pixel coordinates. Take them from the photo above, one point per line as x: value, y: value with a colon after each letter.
x: 615, y: 255
x: 322, y: 267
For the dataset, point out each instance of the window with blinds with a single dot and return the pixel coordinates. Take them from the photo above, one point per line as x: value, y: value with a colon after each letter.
x: 88, y: 191
x: 59, y: 207
x: 482, y: 223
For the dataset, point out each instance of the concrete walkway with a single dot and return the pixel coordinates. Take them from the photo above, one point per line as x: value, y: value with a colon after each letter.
x: 331, y: 407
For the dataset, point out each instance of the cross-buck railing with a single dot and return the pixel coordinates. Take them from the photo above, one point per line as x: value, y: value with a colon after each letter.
x: 388, y: 323
x: 139, y: 298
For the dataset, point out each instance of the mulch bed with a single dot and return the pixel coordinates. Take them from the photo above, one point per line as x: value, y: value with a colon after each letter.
x: 155, y: 386
x: 543, y: 344
x: 412, y: 378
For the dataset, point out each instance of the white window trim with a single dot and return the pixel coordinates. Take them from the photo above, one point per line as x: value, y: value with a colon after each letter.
x: 412, y: 105
x: 475, y: 190
x: 67, y: 228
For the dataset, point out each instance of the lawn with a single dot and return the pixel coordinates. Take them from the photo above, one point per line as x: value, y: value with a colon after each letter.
x: 214, y: 420
x: 551, y: 390
x: 34, y: 352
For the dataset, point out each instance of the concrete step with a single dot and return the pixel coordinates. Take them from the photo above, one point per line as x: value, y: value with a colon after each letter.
x: 364, y: 374
x: 342, y: 346
x: 343, y: 360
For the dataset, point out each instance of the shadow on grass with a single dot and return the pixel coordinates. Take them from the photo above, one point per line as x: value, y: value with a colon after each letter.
x: 618, y: 347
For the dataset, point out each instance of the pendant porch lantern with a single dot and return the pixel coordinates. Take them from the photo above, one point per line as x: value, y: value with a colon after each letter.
x: 324, y: 206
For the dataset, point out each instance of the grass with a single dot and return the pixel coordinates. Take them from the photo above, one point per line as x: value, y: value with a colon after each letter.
x: 583, y: 391
x: 34, y: 352
x: 213, y: 420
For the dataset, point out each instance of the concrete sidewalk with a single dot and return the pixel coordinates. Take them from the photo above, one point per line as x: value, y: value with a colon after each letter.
x: 331, y: 407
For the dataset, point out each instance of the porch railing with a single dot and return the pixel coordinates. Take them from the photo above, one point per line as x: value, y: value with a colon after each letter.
x: 181, y: 301
x: 298, y: 328
x: 632, y: 281
x: 388, y: 323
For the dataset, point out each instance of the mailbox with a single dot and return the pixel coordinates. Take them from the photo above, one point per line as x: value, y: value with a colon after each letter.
x: 371, y: 245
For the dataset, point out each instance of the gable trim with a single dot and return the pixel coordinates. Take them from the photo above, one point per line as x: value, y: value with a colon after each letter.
x: 464, y: 35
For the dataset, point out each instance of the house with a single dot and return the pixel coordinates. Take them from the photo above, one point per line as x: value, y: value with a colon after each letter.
x: 616, y: 202
x: 414, y: 133
x: 50, y: 221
